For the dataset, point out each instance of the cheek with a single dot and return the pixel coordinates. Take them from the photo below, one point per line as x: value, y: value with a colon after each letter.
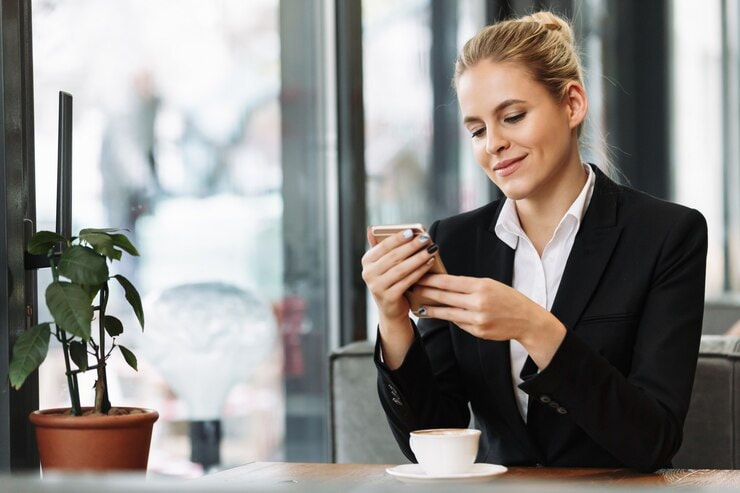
x: 480, y: 154
x: 533, y: 134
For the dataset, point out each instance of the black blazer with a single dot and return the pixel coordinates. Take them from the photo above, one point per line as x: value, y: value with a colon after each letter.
x: 617, y: 390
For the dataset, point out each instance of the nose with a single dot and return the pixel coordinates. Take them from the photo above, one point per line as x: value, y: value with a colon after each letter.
x: 495, y: 142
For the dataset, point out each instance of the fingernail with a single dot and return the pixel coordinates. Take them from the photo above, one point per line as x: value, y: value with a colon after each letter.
x: 430, y: 260
x: 407, y: 233
x: 423, y: 239
x: 433, y: 248
x: 421, y: 311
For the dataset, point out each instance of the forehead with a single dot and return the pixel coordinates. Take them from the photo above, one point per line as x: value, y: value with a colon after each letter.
x: 488, y: 83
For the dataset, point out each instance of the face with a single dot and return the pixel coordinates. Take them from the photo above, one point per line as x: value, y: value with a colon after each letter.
x: 523, y: 138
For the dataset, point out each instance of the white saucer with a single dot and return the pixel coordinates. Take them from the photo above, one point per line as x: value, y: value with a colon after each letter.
x: 413, y: 473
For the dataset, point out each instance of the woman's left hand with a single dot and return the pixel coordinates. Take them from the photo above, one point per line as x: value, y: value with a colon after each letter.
x: 492, y: 310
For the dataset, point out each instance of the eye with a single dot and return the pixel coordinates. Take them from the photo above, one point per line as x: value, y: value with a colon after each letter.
x: 515, y: 118
x: 477, y: 132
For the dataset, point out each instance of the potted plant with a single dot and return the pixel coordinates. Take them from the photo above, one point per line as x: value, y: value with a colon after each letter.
x: 77, y: 299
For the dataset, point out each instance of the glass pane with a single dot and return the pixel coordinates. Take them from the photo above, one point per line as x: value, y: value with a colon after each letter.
x: 591, y: 15
x: 177, y: 138
x: 475, y: 187
x: 696, y: 44
x: 399, y: 109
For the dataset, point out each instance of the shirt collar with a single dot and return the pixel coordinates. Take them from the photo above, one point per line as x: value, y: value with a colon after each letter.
x: 509, y: 229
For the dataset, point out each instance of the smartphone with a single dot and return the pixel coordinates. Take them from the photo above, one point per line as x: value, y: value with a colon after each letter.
x: 384, y: 231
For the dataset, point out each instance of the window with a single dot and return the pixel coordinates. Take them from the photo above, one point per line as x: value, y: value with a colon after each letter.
x: 705, y: 129
x: 404, y: 119
x: 178, y: 137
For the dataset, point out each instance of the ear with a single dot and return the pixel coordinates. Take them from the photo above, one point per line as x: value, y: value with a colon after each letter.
x: 577, y: 104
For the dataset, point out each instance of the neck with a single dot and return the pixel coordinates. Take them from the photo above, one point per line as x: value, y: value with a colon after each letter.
x: 541, y: 213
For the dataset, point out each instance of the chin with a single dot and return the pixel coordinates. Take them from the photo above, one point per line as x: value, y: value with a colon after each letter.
x: 513, y: 187
x: 514, y: 191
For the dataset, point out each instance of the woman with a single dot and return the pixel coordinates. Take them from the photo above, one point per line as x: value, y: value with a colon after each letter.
x: 571, y: 316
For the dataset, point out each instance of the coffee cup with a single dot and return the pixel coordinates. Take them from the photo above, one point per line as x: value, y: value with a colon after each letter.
x: 445, y: 451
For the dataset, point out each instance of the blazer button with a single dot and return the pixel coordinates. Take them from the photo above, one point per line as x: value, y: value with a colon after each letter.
x: 562, y: 410
x: 397, y: 401
x: 554, y: 405
x: 545, y: 399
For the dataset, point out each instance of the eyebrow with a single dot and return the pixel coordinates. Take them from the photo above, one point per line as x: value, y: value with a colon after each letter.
x: 502, y: 105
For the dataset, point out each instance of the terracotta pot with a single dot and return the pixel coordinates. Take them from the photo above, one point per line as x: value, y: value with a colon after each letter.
x: 93, y: 443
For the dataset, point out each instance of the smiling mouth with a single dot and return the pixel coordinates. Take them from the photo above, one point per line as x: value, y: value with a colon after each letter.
x: 508, y: 166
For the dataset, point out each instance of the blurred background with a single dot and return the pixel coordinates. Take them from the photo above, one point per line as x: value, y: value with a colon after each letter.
x: 246, y: 145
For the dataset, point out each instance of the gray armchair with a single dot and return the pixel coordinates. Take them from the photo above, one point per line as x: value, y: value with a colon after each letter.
x: 360, y: 432
x: 712, y: 430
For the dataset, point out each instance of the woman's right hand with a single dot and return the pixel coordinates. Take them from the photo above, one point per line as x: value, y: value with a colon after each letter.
x: 389, y: 269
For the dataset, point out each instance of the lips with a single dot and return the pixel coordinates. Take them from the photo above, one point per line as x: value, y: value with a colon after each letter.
x: 508, y: 166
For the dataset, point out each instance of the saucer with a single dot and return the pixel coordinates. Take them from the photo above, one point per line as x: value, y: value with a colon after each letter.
x: 413, y: 473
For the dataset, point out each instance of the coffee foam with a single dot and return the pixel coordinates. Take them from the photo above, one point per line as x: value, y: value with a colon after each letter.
x: 444, y: 432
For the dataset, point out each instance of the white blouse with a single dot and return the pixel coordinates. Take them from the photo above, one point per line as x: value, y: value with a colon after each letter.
x: 535, y: 277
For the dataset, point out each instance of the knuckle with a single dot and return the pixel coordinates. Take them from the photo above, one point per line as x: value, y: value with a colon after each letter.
x: 478, y: 302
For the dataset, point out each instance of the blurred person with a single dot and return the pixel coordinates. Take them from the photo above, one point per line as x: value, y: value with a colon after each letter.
x: 127, y: 163
x: 570, y: 317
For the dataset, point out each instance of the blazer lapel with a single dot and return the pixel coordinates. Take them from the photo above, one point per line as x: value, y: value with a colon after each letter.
x: 496, y: 260
x: 591, y: 251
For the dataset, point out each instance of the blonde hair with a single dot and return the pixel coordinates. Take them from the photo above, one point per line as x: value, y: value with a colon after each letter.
x: 542, y: 43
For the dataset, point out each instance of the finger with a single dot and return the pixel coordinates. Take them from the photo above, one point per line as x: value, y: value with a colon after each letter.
x: 442, y: 312
x: 383, y: 247
x: 443, y: 297
x: 458, y: 316
x: 458, y: 284
x: 403, y: 249
x: 370, y: 238
x: 401, y: 277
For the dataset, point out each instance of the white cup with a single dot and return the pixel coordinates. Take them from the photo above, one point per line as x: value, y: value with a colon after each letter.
x: 445, y: 451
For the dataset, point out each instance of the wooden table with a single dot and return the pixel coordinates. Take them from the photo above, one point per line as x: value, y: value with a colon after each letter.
x: 367, y: 476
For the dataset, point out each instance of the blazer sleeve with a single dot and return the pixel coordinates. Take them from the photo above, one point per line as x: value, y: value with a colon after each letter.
x: 426, y: 391
x: 639, y: 417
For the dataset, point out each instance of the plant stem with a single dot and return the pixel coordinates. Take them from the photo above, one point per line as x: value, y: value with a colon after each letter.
x: 74, y: 391
x: 72, y: 385
x: 102, y: 402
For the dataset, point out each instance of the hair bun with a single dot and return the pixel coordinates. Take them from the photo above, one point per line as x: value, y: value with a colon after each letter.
x: 552, y: 22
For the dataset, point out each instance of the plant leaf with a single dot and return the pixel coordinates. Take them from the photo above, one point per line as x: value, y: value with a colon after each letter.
x: 132, y: 295
x: 129, y: 357
x: 102, y: 243
x: 87, y: 231
x: 70, y: 306
x: 43, y: 241
x: 122, y: 241
x: 78, y: 353
x: 113, y: 326
x: 92, y: 291
x: 82, y: 265
x: 29, y: 352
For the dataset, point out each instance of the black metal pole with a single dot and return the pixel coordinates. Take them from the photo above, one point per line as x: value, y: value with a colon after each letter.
x: 64, y: 166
